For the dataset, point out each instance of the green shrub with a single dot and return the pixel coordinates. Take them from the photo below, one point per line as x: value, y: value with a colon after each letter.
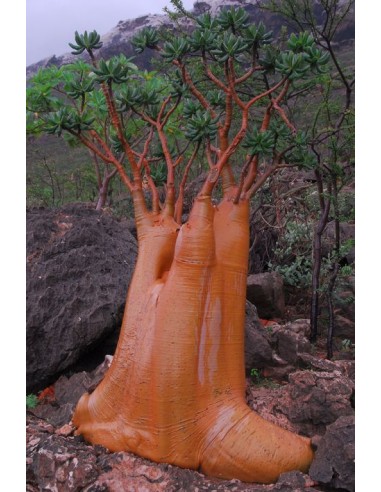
x: 31, y: 401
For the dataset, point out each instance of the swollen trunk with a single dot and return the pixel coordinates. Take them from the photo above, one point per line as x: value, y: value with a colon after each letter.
x: 175, y: 390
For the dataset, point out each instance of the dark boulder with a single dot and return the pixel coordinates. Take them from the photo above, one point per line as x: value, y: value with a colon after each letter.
x: 290, y: 344
x: 317, y: 399
x: 334, y: 463
x: 266, y: 291
x: 66, y: 392
x: 258, y: 352
x: 79, y: 265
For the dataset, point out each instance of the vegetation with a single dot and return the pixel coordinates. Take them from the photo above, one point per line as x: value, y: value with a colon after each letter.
x: 259, y: 380
x: 331, y: 139
x: 229, y: 101
x: 31, y: 401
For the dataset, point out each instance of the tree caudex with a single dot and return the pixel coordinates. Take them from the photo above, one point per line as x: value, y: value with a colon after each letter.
x: 175, y: 391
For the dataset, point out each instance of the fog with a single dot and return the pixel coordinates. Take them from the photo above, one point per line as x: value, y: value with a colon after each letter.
x: 50, y: 24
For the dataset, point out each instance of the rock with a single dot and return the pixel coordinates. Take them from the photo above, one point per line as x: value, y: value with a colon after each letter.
x: 66, y: 463
x: 130, y: 224
x: 311, y: 362
x: 99, y: 373
x: 70, y: 390
x: 287, y: 343
x: 279, y: 373
x: 300, y: 327
x: 347, y: 367
x: 318, y: 398
x: 62, y: 464
x: 67, y: 391
x: 66, y: 430
x: 289, y: 340
x: 294, y: 481
x: 344, y: 308
x: 333, y: 464
x: 57, y: 415
x: 344, y: 328
x: 347, y: 237
x: 79, y: 266
x: 57, y: 460
x: 290, y: 345
x: 258, y: 352
x: 266, y: 292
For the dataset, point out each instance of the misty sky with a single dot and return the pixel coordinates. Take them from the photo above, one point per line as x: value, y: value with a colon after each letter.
x: 50, y: 24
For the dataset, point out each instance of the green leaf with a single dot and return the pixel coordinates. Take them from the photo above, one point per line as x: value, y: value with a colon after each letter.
x: 191, y: 107
x: 292, y: 64
x: 117, y: 69
x: 202, y: 40
x: 31, y: 401
x: 256, y: 35
x: 146, y: 38
x: 228, y: 46
x: 206, y: 21
x: 127, y: 97
x: 233, y: 18
x: 159, y: 173
x: 317, y: 59
x: 201, y: 126
x: 79, y: 87
x: 176, y: 49
x: 298, y: 43
x: 67, y: 119
x: 257, y: 142
x: 87, y: 41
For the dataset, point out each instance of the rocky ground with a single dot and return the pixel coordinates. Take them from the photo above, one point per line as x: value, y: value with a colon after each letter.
x: 317, y: 401
x: 80, y: 261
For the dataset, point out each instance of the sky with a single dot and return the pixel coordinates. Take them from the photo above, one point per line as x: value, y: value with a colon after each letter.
x: 50, y: 24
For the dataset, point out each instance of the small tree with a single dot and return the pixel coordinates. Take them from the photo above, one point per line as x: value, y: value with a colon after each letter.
x: 175, y: 391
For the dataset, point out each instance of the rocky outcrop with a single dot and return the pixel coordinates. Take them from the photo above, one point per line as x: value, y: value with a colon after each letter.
x: 79, y: 266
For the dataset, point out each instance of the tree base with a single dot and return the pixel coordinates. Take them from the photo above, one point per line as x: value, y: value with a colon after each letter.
x: 175, y: 390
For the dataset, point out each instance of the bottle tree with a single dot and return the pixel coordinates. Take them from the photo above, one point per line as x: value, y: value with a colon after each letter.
x: 175, y: 391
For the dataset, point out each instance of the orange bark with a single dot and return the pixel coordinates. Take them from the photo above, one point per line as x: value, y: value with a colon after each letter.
x: 175, y: 391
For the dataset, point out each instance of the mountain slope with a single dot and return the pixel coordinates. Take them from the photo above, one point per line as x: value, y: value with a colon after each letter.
x: 118, y: 40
